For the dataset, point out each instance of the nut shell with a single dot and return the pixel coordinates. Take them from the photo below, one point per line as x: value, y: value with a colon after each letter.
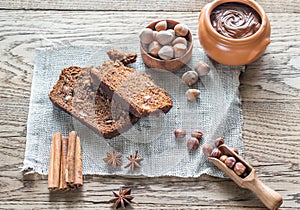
x: 166, y: 53
x: 192, y: 94
x: 239, y: 168
x: 202, y: 68
x: 181, y: 29
x: 179, y: 50
x: 154, y: 35
x: 197, y: 134
x: 172, y: 32
x: 192, y: 144
x: 216, y: 153
x: 190, y: 78
x: 164, y: 37
x: 146, y: 35
x: 230, y: 161
x: 161, y: 26
x: 207, y: 149
x: 154, y: 48
x: 179, y: 133
x: 178, y: 40
x: 219, y: 141
x: 223, y: 158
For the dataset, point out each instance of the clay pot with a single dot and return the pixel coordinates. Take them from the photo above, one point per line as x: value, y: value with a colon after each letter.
x: 169, y: 65
x: 231, y: 51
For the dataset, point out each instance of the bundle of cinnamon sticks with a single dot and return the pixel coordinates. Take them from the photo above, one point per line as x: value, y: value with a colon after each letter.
x: 65, y: 169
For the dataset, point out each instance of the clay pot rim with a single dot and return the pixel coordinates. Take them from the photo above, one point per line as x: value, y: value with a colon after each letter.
x: 190, y: 42
x: 254, y: 5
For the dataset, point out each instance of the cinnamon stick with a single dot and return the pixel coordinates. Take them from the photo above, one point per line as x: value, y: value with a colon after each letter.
x: 63, y: 164
x: 70, y: 172
x: 54, y: 166
x: 78, y: 182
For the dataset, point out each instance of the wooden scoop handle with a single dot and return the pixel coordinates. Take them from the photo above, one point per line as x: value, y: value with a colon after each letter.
x: 271, y: 199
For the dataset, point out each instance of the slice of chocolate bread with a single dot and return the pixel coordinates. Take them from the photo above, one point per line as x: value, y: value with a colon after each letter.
x: 133, y: 89
x: 74, y: 93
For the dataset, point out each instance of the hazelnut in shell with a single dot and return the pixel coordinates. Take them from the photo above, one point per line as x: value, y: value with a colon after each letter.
x: 239, y: 168
x: 179, y: 133
x: 179, y: 50
x: 197, y: 134
x: 190, y: 78
x: 202, y: 68
x: 154, y: 35
x: 192, y: 94
x: 181, y: 29
x: 166, y: 53
x: 178, y: 40
x: 207, y: 149
x: 223, y: 158
x: 164, y: 37
x: 146, y: 35
x: 161, y: 26
x: 216, y: 153
x: 230, y: 161
x: 192, y: 144
x: 219, y: 141
x: 235, y: 150
x: 153, y: 48
x: 172, y: 32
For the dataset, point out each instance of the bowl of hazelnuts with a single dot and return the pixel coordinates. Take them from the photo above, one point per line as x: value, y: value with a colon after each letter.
x: 166, y: 45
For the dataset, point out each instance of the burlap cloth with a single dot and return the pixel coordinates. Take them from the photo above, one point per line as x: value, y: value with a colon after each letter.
x: 217, y: 113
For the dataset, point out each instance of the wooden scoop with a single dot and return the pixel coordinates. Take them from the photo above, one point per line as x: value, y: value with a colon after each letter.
x: 270, y: 198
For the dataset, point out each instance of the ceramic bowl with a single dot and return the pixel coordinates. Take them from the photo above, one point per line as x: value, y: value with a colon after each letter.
x: 169, y: 65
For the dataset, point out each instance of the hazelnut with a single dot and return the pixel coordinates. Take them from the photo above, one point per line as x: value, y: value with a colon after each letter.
x: 153, y: 49
x: 179, y: 40
x: 202, y: 68
x: 146, y: 35
x: 239, y: 168
x: 192, y: 144
x: 197, y: 134
x: 235, y: 150
x: 230, y: 161
x: 172, y: 32
x: 190, y: 77
x: 179, y: 50
x: 216, y: 153
x: 154, y: 35
x: 161, y: 26
x: 179, y: 133
x: 181, y: 29
x: 166, y: 53
x: 164, y: 37
x: 223, y: 158
x: 219, y: 141
x: 192, y: 94
x: 207, y: 149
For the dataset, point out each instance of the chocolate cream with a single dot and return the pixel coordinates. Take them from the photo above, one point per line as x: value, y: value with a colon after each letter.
x: 235, y: 20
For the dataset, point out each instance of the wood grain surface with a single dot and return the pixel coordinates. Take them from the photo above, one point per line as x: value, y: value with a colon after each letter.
x: 290, y: 6
x: 270, y: 91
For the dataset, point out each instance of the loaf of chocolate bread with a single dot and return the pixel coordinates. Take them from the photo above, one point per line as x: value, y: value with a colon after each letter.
x: 135, y: 90
x: 75, y: 93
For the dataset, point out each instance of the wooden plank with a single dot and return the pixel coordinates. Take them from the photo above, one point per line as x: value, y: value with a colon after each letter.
x: 271, y: 146
x: 278, y: 6
x: 270, y: 106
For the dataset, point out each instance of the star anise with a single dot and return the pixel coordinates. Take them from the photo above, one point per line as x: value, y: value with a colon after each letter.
x: 113, y: 159
x: 134, y: 161
x: 122, y: 198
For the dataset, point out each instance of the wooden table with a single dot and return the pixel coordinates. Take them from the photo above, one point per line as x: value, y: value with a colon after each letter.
x: 270, y: 90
